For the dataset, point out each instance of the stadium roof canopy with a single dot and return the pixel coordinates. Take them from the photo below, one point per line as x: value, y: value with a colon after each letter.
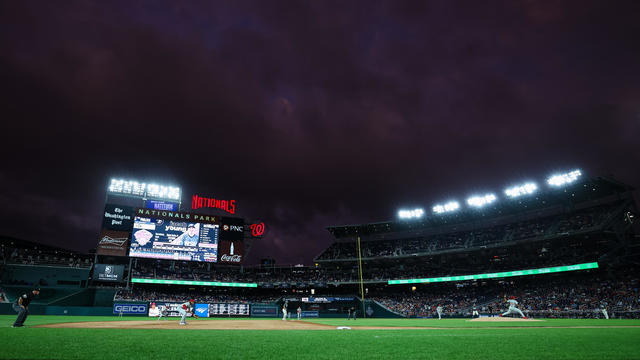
x: 579, y: 192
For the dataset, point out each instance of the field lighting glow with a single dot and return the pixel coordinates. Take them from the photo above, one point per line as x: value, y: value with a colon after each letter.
x: 520, y: 190
x: 185, y: 282
x: 411, y: 214
x: 549, y: 270
x: 480, y: 201
x: 445, y: 208
x: 141, y: 189
x: 563, y: 179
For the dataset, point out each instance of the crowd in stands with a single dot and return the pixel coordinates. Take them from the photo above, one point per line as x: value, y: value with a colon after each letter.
x: 3, y: 297
x: 173, y: 295
x: 562, y: 296
x: 575, y: 295
x: 565, y: 251
x: 27, y: 253
x: 548, y: 227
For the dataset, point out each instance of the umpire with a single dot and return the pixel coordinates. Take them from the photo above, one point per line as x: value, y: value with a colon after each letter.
x: 21, y: 306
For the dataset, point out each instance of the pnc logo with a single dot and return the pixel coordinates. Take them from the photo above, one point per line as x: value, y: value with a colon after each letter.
x: 232, y: 228
x: 257, y: 229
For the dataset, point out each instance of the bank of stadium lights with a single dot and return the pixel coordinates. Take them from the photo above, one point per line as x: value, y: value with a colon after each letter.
x: 140, y: 189
x: 411, y: 214
x: 445, y: 208
x: 480, y: 201
x: 524, y: 189
x: 163, y: 192
x: 563, y: 179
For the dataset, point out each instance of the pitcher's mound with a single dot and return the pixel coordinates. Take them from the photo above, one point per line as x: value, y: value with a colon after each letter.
x: 501, y: 319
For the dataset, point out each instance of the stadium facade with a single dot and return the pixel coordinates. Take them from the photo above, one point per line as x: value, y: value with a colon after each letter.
x: 566, y: 251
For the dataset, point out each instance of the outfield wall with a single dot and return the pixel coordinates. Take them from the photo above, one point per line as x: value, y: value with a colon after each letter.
x: 257, y: 310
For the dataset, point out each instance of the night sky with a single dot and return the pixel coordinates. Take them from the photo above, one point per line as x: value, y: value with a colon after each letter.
x: 308, y: 113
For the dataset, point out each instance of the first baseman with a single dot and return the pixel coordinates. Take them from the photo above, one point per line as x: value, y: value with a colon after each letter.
x: 475, y: 311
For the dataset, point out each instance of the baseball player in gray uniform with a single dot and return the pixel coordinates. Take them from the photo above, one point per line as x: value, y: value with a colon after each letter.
x: 512, y: 307
x: 185, y: 309
x: 439, y: 311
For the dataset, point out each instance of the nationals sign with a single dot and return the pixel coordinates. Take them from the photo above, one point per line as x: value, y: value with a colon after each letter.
x: 198, y: 202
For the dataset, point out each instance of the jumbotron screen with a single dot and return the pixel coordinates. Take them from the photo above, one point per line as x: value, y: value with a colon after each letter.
x: 174, y: 239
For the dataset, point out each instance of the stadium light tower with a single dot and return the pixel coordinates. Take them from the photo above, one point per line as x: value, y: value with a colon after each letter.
x: 524, y: 189
x: 480, y: 201
x: 445, y: 208
x: 563, y: 179
x: 411, y: 214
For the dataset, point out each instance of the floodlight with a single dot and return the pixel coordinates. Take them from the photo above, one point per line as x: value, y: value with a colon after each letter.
x: 448, y: 207
x: 480, y: 201
x: 520, y: 190
x: 563, y: 179
x: 116, y: 185
x: 411, y: 214
x: 173, y: 193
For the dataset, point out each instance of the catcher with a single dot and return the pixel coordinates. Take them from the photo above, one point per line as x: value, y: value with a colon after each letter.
x: 185, y: 309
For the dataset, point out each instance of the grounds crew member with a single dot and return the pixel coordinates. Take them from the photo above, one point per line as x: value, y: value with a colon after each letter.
x: 21, y: 306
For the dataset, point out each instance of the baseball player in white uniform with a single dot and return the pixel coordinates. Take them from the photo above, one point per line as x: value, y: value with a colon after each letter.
x: 439, y: 311
x: 284, y: 311
x: 603, y: 308
x: 299, y: 311
x: 185, y: 309
x: 164, y: 312
x: 475, y: 312
x: 512, y: 307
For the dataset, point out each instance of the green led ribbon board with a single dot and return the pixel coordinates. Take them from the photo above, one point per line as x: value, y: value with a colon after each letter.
x: 549, y: 270
x: 184, y: 282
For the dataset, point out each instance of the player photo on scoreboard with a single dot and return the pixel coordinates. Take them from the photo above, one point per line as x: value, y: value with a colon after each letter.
x: 177, y: 240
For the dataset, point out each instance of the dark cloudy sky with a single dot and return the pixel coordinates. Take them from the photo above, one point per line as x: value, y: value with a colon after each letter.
x: 309, y: 113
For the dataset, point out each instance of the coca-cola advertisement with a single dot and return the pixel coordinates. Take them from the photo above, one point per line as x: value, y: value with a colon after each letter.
x: 231, y: 252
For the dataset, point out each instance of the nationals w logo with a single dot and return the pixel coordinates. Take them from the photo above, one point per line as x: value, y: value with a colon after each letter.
x: 257, y: 229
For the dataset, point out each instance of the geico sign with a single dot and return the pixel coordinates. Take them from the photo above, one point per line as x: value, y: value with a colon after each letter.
x: 129, y: 309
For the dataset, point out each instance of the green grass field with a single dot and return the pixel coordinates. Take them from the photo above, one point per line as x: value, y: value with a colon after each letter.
x: 455, y: 339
